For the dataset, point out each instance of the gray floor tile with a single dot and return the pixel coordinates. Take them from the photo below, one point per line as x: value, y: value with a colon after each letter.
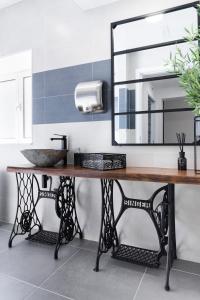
x: 183, y: 286
x: 187, y: 266
x: 4, y: 237
x: 32, y: 262
x: 6, y: 226
x: 77, y: 280
x: 85, y: 244
x: 11, y: 289
x: 45, y: 295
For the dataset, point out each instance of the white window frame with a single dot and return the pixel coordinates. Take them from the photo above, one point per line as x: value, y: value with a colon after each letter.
x: 19, y: 106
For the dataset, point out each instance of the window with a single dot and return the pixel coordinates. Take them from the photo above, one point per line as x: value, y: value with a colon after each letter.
x: 16, y: 98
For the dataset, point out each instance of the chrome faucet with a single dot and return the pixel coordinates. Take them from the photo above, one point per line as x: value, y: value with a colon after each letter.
x: 62, y: 138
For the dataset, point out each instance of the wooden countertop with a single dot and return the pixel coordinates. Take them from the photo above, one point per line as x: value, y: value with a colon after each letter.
x: 129, y: 173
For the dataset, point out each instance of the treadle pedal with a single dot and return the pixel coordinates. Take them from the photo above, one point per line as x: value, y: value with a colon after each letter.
x: 136, y: 255
x: 44, y: 237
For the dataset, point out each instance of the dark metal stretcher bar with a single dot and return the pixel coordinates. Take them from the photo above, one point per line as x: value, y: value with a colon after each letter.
x: 161, y: 214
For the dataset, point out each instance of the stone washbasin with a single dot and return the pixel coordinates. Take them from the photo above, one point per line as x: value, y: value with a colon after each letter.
x: 44, y: 157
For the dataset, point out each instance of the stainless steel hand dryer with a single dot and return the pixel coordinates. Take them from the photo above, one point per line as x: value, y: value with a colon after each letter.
x: 88, y: 96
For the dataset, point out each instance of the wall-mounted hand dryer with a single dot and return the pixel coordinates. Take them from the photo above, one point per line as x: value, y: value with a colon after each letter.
x: 88, y: 96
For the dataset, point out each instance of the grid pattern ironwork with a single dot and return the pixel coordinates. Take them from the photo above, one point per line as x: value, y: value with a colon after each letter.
x: 44, y: 237
x: 140, y: 256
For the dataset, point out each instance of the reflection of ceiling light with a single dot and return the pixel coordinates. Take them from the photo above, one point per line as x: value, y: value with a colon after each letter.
x: 154, y: 19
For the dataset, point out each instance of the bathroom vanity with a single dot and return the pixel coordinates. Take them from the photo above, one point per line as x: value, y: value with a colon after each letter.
x: 162, y: 214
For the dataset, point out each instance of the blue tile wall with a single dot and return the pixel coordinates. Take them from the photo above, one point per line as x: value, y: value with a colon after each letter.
x: 38, y: 85
x: 53, y: 93
x: 38, y: 111
x: 102, y: 71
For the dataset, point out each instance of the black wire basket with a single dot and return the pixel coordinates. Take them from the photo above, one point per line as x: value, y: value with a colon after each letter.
x: 100, y: 161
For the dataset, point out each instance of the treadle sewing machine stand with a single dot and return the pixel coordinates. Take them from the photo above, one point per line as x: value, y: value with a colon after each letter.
x: 29, y: 194
x: 162, y: 214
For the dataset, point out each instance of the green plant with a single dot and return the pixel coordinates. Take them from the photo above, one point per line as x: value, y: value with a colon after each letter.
x: 187, y: 67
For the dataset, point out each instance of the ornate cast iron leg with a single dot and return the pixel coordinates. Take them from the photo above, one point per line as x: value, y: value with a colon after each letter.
x: 171, y: 241
x: 66, y: 211
x: 26, y: 217
x: 108, y: 235
x: 174, y: 228
x: 159, y: 217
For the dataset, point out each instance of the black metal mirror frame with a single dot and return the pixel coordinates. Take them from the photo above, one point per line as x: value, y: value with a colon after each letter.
x: 113, y: 83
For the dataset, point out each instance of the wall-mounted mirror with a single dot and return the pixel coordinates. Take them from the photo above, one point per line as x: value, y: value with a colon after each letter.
x: 148, y: 102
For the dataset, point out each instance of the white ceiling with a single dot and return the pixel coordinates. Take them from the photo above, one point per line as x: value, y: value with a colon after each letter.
x: 89, y: 4
x: 6, y: 3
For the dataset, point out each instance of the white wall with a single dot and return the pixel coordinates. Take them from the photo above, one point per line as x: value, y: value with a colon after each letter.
x: 60, y: 35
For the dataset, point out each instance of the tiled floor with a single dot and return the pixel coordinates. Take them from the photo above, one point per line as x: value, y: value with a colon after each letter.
x: 29, y: 271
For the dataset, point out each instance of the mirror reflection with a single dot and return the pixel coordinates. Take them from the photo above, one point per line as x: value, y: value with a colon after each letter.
x: 149, y: 103
x: 153, y: 128
x: 146, y: 63
x: 135, y: 97
x: 152, y: 112
x: 153, y: 30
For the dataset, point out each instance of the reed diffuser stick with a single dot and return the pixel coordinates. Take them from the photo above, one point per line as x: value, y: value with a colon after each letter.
x: 181, y: 140
x: 182, y: 161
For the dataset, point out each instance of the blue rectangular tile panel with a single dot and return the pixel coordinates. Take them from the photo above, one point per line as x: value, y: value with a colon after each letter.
x: 38, y: 111
x: 63, y: 81
x: 38, y: 85
x: 61, y: 109
x: 102, y: 71
x: 53, y: 93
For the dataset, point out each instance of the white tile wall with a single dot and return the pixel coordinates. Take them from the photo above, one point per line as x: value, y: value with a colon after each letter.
x: 61, y: 34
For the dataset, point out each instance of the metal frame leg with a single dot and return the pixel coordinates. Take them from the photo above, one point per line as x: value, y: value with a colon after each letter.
x: 108, y: 235
x: 174, y: 228
x: 66, y: 211
x: 158, y: 212
x: 171, y: 234
x: 26, y: 217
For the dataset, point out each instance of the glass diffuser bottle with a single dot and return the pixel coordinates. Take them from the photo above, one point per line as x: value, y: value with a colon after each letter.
x: 182, y: 161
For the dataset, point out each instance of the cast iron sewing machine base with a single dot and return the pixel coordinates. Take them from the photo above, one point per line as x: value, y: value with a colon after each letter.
x: 162, y: 216
x: 26, y: 220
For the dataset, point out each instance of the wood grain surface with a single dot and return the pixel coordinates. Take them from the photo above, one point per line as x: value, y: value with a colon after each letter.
x: 129, y: 173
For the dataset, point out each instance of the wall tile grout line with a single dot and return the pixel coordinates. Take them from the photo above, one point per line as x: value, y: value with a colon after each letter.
x: 53, y: 96
x: 139, y: 285
x: 57, y: 87
x: 58, y: 95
